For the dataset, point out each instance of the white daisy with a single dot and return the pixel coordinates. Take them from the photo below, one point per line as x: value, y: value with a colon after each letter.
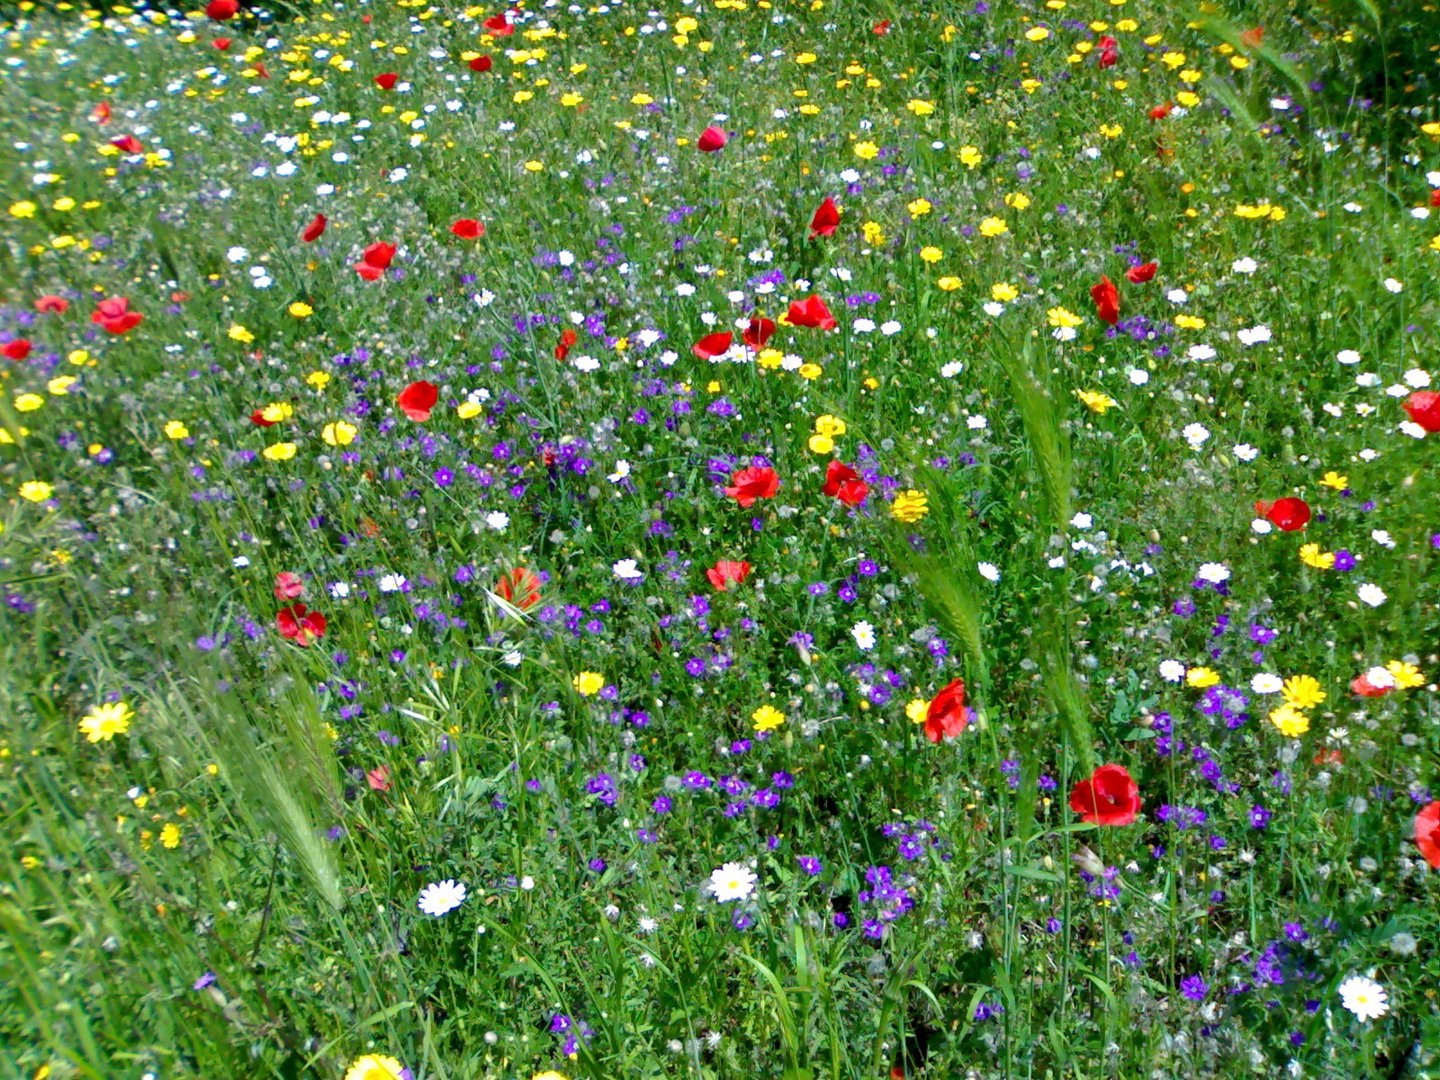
x: 733, y: 881
x: 1364, y: 997
x: 1371, y: 594
x: 440, y: 897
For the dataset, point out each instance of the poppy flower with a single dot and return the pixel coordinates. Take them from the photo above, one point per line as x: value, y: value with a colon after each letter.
x: 100, y: 114
x: 1288, y: 515
x: 387, y: 80
x: 115, y: 316
x: 315, y: 229
x: 825, y: 220
x: 1107, y: 300
x: 1424, y: 408
x: 222, y: 10
x: 711, y: 139
x: 260, y: 69
x: 222, y: 43
x: 468, y: 229
x: 712, y: 345
x: 758, y: 332
x: 881, y: 27
x: 1427, y: 833
x: 1109, y: 797
x: 946, y: 716
x: 1361, y: 686
x: 755, y: 482
x: 298, y: 624
x: 417, y: 399
x: 810, y: 312
x: 379, y: 778
x: 51, y: 304
x: 128, y: 144
x: 844, y: 483
x: 1254, y: 37
x: 1160, y: 112
x: 499, y: 25
x: 259, y: 419
x: 375, y: 260
x: 520, y: 587
x: 288, y: 586
x: 727, y: 571
x: 1435, y: 197
x: 1109, y: 51
x: 568, y: 337
x: 18, y: 349
x: 481, y: 64
x: 1138, y: 275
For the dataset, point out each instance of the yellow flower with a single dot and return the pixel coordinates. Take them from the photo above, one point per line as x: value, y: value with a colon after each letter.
x: 830, y: 425
x: 28, y: 402
x: 821, y: 444
x: 918, y: 207
x: 1018, y: 200
x: 78, y: 357
x: 1059, y: 316
x: 873, y: 233
x: 23, y: 209
x: 1332, y: 479
x: 1003, y: 291
x: 36, y: 491
x: 468, y: 410
x: 280, y: 451
x: 551, y: 1074
x: 993, y: 226
x: 1112, y: 131
x: 910, y: 506
x: 1407, y: 676
x: 534, y: 166
x: 930, y: 254
x: 970, y: 157
x: 1311, y: 555
x: 301, y: 310
x: 770, y: 359
x: 170, y: 836
x: 767, y: 718
x: 1291, y: 722
x: 588, y: 682
x: 917, y: 710
x: 1201, y: 678
x: 1189, y: 322
x: 340, y: 433
x: 240, y: 334
x: 104, y: 722
x: 60, y: 385
x: 810, y: 371
x: 1303, y: 692
x: 176, y: 429
x: 571, y: 99
x: 374, y: 1067
x: 1096, y: 401
x: 949, y: 283
x: 318, y: 379
x: 277, y: 411
x: 1173, y: 59
x: 1036, y: 33
x: 920, y: 107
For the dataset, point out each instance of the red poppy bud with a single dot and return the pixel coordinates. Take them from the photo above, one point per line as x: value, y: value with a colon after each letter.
x: 315, y: 229
x: 711, y: 139
x: 826, y: 219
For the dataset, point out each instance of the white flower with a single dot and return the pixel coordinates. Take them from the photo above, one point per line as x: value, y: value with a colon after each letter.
x: 889, y: 329
x: 1056, y: 562
x: 864, y: 635
x: 1261, y: 527
x: 586, y: 363
x: 863, y: 326
x: 1256, y: 335
x: 1371, y: 594
x: 1172, y: 670
x: 976, y: 423
x: 1200, y: 352
x: 627, y: 570
x: 953, y: 368
x: 339, y: 589
x: 441, y: 897
x: 240, y: 562
x: 1416, y: 378
x: 1380, y: 678
x: 989, y: 571
x: 498, y: 520
x: 237, y: 254
x: 1382, y: 537
x: 1246, y: 265
x: 1082, y: 521
x: 1411, y: 428
x: 1213, y: 573
x: 646, y: 924
x: 527, y: 883
x: 1137, y: 376
x: 733, y: 881
x: 1348, y: 356
x: 1195, y: 435
x: 1178, y: 296
x: 1391, y: 285
x: 392, y: 583
x: 1266, y: 683
x: 993, y: 308
x: 1244, y: 452
x: 1364, y: 997
x: 622, y: 470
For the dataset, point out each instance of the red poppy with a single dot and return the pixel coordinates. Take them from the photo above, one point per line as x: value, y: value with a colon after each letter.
x: 298, y: 624
x: 468, y: 229
x: 1427, y: 833
x: 221, y: 43
x: 115, y: 316
x: 315, y: 229
x: 1109, y: 51
x: 375, y: 261
x: 1252, y: 38
x: 826, y: 219
x: 755, y: 482
x: 1160, y: 112
x: 18, y: 349
x: 568, y: 337
x: 387, y: 80
x: 711, y: 139
x: 519, y: 587
x: 1138, y: 275
x: 481, y: 64
x: 100, y: 114
x: 260, y: 69
x: 222, y: 10
x: 288, y: 586
x: 946, y: 716
x: 881, y: 27
x: 1435, y: 197
x: 417, y: 399
x: 844, y: 483
x: 499, y: 25
x: 810, y: 312
x: 1328, y: 757
x: 1107, y: 300
x: 1109, y: 797
x: 379, y: 778
x: 712, y: 345
x: 258, y: 419
x: 1424, y: 408
x: 51, y: 304
x: 1363, y: 687
x: 727, y: 571
x: 758, y: 332
x: 1287, y: 515
x: 128, y: 144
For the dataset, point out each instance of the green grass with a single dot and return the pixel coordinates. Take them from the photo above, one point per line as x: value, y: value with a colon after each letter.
x: 230, y: 887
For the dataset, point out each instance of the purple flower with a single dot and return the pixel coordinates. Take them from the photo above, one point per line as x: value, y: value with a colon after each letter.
x: 1194, y: 988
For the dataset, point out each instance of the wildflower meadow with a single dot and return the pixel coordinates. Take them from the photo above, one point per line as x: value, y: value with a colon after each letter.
x: 798, y: 539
